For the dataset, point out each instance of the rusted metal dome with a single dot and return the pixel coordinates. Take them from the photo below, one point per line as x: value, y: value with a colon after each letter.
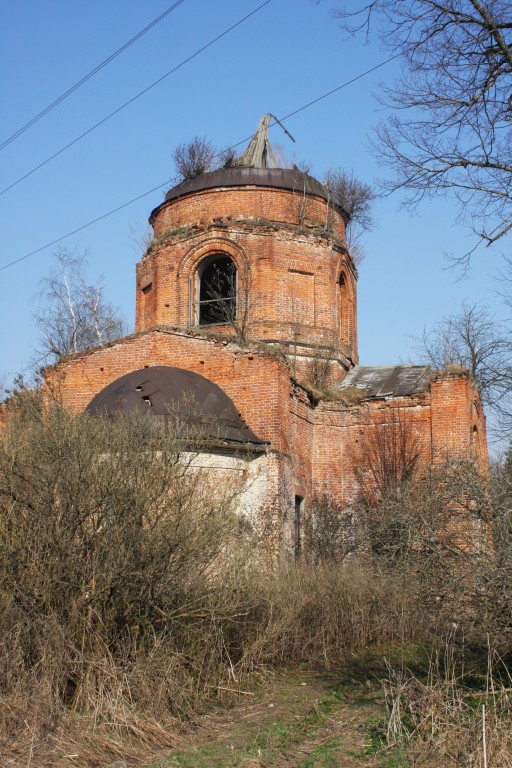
x: 282, y: 178
x: 180, y: 395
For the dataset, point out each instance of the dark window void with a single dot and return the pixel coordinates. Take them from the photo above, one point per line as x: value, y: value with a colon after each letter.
x: 342, y: 306
x: 216, y: 291
x: 297, y: 532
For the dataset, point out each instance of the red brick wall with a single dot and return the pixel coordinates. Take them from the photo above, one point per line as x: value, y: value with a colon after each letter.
x: 292, y: 271
x: 458, y: 421
x: 281, y: 205
x: 328, y: 444
x: 348, y: 442
x: 439, y: 422
x: 254, y: 382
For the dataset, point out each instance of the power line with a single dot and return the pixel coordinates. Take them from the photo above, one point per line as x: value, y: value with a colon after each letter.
x: 88, y: 76
x: 170, y: 181
x: 84, y: 226
x: 134, y: 98
x: 343, y: 85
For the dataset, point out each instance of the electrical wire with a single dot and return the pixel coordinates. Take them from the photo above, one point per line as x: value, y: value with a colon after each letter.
x: 134, y: 98
x: 84, y: 226
x: 88, y: 76
x: 171, y: 180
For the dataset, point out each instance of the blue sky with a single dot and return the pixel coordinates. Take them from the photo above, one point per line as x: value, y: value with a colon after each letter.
x: 284, y: 56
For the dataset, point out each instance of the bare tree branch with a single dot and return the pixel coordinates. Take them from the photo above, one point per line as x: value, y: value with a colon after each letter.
x: 450, y: 130
x: 355, y: 198
x: 473, y: 339
x: 194, y: 157
x: 73, y: 315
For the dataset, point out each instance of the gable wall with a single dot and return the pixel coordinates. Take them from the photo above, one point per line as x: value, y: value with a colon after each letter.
x: 252, y: 381
x: 259, y: 386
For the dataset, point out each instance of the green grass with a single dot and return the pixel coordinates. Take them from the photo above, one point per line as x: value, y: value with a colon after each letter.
x: 267, y: 745
x: 324, y: 756
x: 358, y: 695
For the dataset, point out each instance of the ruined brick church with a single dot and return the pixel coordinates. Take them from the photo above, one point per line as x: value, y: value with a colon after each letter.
x: 246, y: 306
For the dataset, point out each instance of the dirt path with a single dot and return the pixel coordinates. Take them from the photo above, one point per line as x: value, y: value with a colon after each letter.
x: 296, y: 721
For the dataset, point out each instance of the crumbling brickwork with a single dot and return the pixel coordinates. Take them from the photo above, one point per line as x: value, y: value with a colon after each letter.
x: 295, y: 273
x: 296, y: 289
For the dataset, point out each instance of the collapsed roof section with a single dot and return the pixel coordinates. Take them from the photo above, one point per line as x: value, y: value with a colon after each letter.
x: 383, y: 381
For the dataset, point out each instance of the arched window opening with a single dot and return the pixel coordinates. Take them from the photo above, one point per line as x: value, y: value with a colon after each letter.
x: 216, y: 291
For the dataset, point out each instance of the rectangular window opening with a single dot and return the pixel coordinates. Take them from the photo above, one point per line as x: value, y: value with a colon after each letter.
x: 298, y: 523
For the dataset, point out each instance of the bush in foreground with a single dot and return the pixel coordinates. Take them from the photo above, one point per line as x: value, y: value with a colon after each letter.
x: 130, y: 594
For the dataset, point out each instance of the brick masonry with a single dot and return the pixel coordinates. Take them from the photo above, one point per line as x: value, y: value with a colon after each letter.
x: 295, y: 271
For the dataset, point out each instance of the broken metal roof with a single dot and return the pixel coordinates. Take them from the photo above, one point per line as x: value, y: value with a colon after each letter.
x: 256, y: 166
x: 382, y: 381
x: 190, y: 399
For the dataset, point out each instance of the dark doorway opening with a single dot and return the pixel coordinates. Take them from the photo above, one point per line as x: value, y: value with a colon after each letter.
x: 297, y: 528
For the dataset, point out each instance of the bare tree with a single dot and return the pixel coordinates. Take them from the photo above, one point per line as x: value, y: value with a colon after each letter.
x: 450, y: 131
x: 355, y: 197
x: 73, y: 314
x: 389, y: 456
x: 194, y: 157
x: 473, y: 339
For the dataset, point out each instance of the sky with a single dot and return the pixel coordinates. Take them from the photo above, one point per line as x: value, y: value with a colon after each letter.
x: 284, y: 56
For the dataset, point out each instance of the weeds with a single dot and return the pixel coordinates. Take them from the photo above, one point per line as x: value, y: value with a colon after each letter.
x: 131, y: 599
x: 452, y: 715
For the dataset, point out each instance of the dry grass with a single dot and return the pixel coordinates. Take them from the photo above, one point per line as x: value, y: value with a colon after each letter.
x: 458, y: 368
x: 349, y: 396
x: 107, y: 705
x: 457, y: 716
x: 322, y: 615
x: 130, y: 599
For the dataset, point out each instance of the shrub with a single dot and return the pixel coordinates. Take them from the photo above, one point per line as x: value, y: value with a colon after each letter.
x: 111, y: 548
x: 194, y: 157
x: 131, y: 594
